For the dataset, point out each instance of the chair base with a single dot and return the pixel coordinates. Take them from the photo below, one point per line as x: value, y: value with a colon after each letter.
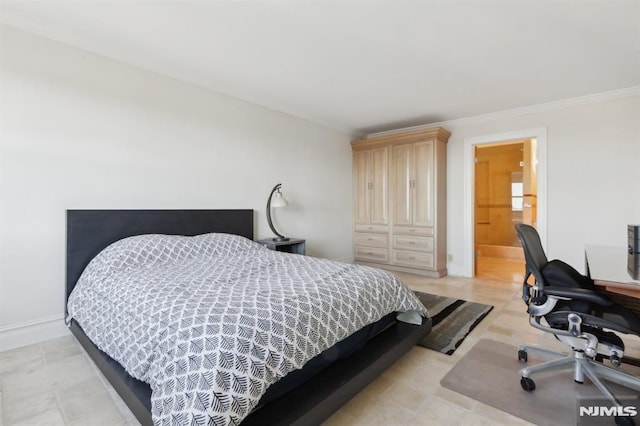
x: 582, y: 366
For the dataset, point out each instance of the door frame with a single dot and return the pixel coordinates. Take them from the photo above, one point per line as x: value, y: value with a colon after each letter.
x: 540, y: 134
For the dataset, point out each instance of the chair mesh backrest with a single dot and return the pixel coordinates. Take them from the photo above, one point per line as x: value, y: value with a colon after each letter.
x: 533, y: 252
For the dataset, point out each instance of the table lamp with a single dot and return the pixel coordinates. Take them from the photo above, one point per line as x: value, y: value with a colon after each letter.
x: 276, y: 199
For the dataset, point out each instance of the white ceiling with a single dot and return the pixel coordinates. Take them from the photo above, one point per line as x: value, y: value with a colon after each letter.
x: 361, y: 65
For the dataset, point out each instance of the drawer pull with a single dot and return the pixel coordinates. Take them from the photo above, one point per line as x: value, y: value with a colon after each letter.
x: 369, y: 239
x: 412, y: 230
x: 412, y: 258
x: 370, y: 227
x: 412, y: 242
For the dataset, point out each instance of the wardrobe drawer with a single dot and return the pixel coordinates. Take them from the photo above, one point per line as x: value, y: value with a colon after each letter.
x: 371, y: 240
x: 413, y: 230
x: 373, y: 254
x: 413, y: 259
x: 409, y: 242
x: 372, y: 228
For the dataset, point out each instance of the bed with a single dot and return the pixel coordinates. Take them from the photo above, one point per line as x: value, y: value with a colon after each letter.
x: 305, y: 398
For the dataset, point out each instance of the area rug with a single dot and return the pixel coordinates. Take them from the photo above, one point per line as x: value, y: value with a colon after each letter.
x: 489, y: 373
x: 452, y: 320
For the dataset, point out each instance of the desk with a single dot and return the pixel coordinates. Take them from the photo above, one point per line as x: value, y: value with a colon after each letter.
x: 607, y: 267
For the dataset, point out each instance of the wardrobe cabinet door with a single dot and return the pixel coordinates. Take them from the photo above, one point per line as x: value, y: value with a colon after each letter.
x: 424, y: 189
x: 379, y: 186
x: 361, y: 185
x: 402, y: 181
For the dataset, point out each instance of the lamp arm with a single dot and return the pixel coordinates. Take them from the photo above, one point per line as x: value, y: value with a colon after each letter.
x: 275, y: 188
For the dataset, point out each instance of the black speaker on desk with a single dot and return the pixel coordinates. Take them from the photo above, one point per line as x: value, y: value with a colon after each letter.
x: 633, y: 257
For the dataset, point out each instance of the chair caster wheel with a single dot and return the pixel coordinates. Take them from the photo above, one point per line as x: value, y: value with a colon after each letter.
x: 522, y: 355
x: 625, y: 421
x: 527, y: 384
x: 615, y: 360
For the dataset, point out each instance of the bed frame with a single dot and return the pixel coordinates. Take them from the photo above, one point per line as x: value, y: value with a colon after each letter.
x: 90, y: 231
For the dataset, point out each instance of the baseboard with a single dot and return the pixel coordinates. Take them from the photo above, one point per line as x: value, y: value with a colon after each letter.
x: 31, y: 332
x: 455, y: 270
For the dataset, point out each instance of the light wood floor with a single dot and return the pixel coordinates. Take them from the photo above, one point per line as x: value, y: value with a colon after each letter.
x: 54, y: 382
x: 500, y: 269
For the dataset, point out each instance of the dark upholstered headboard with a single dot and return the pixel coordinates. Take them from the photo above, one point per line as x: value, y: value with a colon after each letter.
x: 90, y: 231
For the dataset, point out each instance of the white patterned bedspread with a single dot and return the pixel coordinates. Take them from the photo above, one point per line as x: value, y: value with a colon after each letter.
x: 211, y: 321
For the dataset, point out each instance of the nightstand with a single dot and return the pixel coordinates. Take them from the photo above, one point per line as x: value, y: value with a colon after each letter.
x: 293, y: 245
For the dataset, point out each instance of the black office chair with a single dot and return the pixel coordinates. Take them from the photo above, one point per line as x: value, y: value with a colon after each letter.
x: 578, y: 315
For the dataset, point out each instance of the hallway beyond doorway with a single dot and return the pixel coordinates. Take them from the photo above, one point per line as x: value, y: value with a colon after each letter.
x: 505, y: 194
x: 539, y: 134
x: 500, y: 269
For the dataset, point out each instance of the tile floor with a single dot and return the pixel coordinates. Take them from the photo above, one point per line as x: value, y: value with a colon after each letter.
x: 55, y: 383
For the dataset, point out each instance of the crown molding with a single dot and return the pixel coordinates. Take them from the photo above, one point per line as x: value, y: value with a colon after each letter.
x: 435, y: 133
x: 516, y: 112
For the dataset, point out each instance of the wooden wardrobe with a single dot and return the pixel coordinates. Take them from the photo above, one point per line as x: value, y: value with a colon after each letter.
x: 400, y: 214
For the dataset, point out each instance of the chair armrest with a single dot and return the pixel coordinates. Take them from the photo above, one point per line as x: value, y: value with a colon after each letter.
x: 582, y: 294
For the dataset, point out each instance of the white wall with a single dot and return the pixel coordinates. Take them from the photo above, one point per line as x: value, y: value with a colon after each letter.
x: 593, y: 183
x: 82, y: 131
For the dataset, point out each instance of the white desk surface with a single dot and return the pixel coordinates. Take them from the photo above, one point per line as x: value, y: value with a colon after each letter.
x: 607, y: 266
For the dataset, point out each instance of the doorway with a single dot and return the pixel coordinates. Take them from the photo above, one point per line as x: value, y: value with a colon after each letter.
x: 468, y: 211
x: 505, y: 194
